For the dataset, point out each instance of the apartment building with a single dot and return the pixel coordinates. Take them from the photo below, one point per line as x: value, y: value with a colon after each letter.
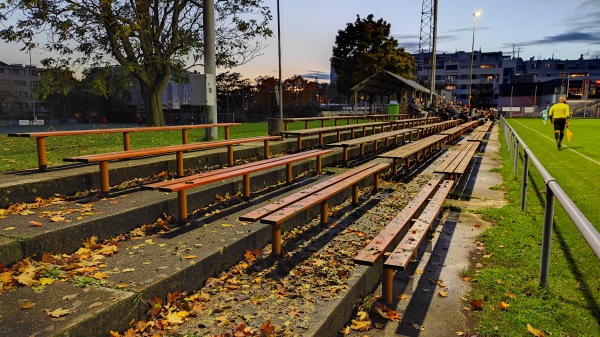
x: 503, y: 81
x: 16, y: 83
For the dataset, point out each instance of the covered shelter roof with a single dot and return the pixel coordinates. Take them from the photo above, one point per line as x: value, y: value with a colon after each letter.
x: 386, y: 83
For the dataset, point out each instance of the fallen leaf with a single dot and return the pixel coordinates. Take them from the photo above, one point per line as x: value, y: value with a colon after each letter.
x: 57, y: 218
x: 46, y: 281
x: 8, y: 228
x: 509, y: 294
x: 26, y: 304
x: 192, y: 256
x: 503, y: 305
x: 34, y: 223
x: 402, y: 297
x: 535, y: 332
x: 58, y: 312
x: 6, y: 277
x: 173, y: 318
x: 27, y: 278
x: 267, y: 328
x: 443, y: 294
x: 345, y: 331
x: 360, y: 325
x: 127, y: 270
x: 100, y: 276
x: 477, y: 304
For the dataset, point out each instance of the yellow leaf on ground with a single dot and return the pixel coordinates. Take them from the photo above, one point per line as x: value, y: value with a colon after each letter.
x: 173, y: 318
x: 127, y: 270
x: 57, y: 313
x: 534, y: 331
x: 34, y: 223
x: 46, y: 280
x: 57, y: 218
x: 345, y: 331
x: 26, y: 304
x: 189, y: 257
x: 225, y: 225
x: 503, y: 305
x: 9, y: 228
x: 360, y: 325
x: 6, y: 277
x: 26, y: 212
x: 26, y: 278
x: 402, y: 297
x: 509, y: 294
x: 443, y: 294
x: 100, y: 276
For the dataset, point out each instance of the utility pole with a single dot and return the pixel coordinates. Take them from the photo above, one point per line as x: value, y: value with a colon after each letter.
x: 210, y: 65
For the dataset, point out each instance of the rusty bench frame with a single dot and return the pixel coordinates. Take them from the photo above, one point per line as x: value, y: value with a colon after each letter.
x: 337, y: 129
x: 391, y: 235
x: 406, y: 134
x: 414, y: 152
x: 455, y: 165
x: 40, y: 137
x: 181, y: 185
x: 303, y: 200
x: 104, y: 158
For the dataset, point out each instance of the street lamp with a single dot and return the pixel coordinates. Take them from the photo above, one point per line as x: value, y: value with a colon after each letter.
x: 475, y: 15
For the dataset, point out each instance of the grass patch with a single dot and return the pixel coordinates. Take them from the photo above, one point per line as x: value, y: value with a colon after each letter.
x: 570, y: 305
x: 21, y: 153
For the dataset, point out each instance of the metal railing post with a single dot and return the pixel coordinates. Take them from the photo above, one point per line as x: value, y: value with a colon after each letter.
x: 547, y: 236
x: 524, y: 180
x: 516, y: 165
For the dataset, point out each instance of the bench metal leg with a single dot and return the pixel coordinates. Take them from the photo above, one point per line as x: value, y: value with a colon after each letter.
x: 41, y: 150
x: 299, y: 143
x: 179, y: 159
x: 288, y: 173
x: 276, y: 240
x: 126, y: 141
x: 376, y: 182
x: 230, y: 155
x: 246, y: 179
x: 182, y: 198
x: 355, y: 194
x: 267, y: 152
x: 387, y: 280
x: 319, y: 164
x: 226, y: 132
x: 104, y: 183
x: 324, y: 212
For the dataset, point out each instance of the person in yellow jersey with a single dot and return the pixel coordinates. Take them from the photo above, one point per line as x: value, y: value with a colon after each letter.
x: 559, y: 116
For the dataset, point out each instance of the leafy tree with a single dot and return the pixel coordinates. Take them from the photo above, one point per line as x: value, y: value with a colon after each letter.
x: 364, y: 48
x: 152, y: 39
x: 231, y: 89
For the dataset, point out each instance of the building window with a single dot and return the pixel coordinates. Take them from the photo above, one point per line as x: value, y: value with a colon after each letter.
x: 548, y: 65
x: 452, y: 67
x: 533, y: 66
x: 450, y: 87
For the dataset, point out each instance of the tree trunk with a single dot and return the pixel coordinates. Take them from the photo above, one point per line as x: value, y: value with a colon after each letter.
x: 153, y: 102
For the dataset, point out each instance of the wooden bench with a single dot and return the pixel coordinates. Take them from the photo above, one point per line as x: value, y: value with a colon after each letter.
x: 391, y: 235
x: 455, y: 165
x: 337, y: 118
x: 406, y: 135
x: 181, y: 185
x: 40, y: 137
x: 103, y: 158
x: 458, y: 130
x: 480, y: 132
x: 338, y: 130
x: 414, y: 152
x: 319, y: 194
x: 407, y: 248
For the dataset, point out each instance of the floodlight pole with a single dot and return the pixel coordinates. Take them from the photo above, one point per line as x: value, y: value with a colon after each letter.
x: 475, y: 15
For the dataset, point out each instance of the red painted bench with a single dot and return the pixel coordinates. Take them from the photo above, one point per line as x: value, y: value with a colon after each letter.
x: 181, y: 185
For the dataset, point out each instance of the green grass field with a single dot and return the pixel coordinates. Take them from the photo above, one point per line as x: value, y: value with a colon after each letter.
x: 571, y: 304
x: 20, y: 153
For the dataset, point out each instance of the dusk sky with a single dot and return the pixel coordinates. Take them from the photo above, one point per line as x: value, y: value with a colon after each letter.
x: 536, y: 28
x: 532, y: 28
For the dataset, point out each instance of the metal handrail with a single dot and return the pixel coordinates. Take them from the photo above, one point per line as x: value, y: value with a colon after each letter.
x: 553, y: 190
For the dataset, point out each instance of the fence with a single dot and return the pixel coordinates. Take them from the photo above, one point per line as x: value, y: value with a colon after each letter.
x: 553, y: 190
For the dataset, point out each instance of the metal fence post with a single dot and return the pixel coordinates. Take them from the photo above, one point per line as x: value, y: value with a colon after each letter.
x: 516, y: 170
x: 524, y: 181
x: 547, y: 236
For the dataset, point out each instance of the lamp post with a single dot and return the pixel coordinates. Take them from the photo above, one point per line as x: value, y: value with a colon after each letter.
x: 475, y: 15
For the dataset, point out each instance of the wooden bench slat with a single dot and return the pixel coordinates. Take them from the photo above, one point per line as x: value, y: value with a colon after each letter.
x: 405, y: 251
x: 159, y: 184
x: 290, y: 199
x: 458, y: 160
x: 389, y: 236
x: 287, y: 212
x: 165, y: 149
x: 202, y: 179
x: 372, y: 138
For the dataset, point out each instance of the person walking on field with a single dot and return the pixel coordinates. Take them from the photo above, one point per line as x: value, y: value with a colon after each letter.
x: 559, y: 116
